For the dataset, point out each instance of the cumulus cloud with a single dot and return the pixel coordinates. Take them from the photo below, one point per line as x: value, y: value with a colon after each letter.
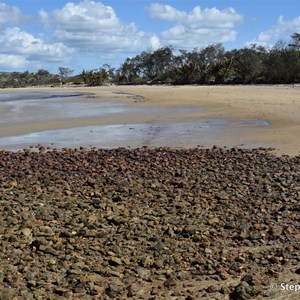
x: 283, y: 29
x: 9, y: 14
x: 93, y: 27
x: 155, y: 42
x: 199, y: 27
x: 20, y: 48
x: 166, y: 12
x: 11, y: 61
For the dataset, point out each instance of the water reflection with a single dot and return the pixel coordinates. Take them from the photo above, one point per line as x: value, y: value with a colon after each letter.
x: 134, y: 135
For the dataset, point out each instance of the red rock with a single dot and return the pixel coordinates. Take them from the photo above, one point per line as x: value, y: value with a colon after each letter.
x: 276, y: 230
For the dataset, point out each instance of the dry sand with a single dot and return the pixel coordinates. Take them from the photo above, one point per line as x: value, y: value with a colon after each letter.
x: 279, y: 105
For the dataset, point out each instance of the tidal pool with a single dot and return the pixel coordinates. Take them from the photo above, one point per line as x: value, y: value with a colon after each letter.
x: 30, y: 107
x: 170, y: 134
x: 176, y: 129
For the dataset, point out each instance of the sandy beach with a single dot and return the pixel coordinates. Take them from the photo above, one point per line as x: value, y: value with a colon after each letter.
x: 118, y: 223
x: 240, y: 112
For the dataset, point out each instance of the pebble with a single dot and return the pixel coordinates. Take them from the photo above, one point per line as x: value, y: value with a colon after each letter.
x: 170, y: 282
x: 115, y: 261
x: 124, y: 223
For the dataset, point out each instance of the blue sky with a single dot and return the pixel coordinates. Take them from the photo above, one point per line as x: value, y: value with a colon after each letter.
x: 47, y: 34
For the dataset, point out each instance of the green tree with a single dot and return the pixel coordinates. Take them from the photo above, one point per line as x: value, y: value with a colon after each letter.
x: 64, y: 74
x: 149, y: 65
x: 129, y: 71
x: 97, y: 77
x: 249, y: 63
x: 222, y: 70
x: 295, y: 42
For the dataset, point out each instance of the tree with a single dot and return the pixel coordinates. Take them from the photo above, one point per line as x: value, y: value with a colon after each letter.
x: 110, y: 72
x: 84, y: 75
x: 185, y: 72
x: 295, y: 43
x: 64, y: 74
x: 212, y: 53
x: 187, y: 66
x: 43, y: 76
x: 222, y: 70
x: 129, y: 71
x: 97, y: 76
x: 248, y: 64
x: 198, y: 65
x: 282, y: 64
x: 150, y: 65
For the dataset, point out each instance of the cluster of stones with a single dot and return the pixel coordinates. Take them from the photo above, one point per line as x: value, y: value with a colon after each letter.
x: 147, y: 223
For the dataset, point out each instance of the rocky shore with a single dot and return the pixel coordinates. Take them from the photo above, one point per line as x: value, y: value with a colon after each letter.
x: 149, y: 224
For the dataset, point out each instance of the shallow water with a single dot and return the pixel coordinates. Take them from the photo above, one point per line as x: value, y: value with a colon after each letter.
x: 169, y: 134
x: 32, y: 107
x: 44, y: 107
x: 27, y: 97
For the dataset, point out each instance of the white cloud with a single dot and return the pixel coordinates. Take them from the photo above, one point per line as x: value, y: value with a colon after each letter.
x: 155, y: 42
x: 11, y: 61
x: 166, y: 12
x: 196, y: 28
x: 9, y: 14
x: 92, y: 27
x: 21, y: 48
x: 283, y: 29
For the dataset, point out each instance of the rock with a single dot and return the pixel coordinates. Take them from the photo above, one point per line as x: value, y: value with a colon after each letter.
x: 27, y: 232
x: 112, y: 290
x: 110, y: 223
x: 99, y: 290
x: 189, y: 230
x: 170, y: 282
x: 95, y: 278
x: 7, y: 294
x: 31, y: 283
x: 212, y: 289
x: 45, y: 231
x: 252, y: 280
x: 143, y: 272
x: 68, y: 192
x: 61, y: 291
x: 158, y: 264
x: 276, y: 231
x: 244, y: 291
x: 213, y: 220
x: 52, y: 262
x: 115, y: 261
x: 146, y: 261
x: 133, y: 289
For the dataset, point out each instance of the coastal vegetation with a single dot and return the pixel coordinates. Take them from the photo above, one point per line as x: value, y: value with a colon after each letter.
x: 24, y: 79
x: 213, y: 64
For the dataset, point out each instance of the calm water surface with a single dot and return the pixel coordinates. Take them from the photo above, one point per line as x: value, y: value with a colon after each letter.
x: 30, y: 107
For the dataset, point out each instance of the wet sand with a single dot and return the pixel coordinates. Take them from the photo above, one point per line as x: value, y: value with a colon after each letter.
x: 180, y: 116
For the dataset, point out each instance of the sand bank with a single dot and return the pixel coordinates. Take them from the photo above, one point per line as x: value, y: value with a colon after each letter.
x: 161, y: 105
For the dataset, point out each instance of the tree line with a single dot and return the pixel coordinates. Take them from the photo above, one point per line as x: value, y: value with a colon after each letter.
x: 24, y: 79
x: 210, y: 65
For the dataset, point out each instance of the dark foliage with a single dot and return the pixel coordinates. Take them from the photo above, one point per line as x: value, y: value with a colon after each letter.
x: 209, y: 65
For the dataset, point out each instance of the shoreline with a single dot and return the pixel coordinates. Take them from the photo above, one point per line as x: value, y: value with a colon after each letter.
x: 278, y: 105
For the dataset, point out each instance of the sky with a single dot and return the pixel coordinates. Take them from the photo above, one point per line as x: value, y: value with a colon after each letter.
x: 85, y: 34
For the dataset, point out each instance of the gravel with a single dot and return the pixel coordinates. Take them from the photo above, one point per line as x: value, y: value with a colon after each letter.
x: 148, y: 223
